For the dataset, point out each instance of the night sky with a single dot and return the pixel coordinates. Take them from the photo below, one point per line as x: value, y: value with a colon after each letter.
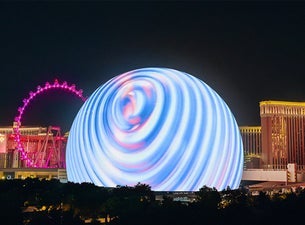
x: 246, y: 51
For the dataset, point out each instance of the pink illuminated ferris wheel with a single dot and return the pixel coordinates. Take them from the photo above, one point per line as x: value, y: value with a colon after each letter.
x: 30, y: 162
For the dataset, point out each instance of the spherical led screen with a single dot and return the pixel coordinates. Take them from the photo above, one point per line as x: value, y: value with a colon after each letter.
x: 156, y: 126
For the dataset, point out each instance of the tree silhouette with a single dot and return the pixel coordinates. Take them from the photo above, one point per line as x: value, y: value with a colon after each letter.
x: 70, y: 203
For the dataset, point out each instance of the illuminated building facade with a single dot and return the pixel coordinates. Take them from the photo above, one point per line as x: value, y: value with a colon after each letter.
x: 283, y: 134
x: 158, y: 126
x: 45, y: 146
x: 269, y: 149
x: 252, y: 143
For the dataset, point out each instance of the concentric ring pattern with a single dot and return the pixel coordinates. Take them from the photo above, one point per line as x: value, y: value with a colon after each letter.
x: 156, y: 126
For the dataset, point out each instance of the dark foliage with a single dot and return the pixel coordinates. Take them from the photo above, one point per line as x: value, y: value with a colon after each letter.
x: 34, y: 201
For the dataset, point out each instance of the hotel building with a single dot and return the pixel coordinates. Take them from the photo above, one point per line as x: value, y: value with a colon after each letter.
x: 252, y: 143
x: 283, y: 134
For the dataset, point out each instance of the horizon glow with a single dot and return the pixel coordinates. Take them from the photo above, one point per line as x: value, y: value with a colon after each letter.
x: 156, y: 126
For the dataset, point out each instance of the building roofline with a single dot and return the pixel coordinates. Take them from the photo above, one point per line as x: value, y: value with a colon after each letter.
x: 284, y: 103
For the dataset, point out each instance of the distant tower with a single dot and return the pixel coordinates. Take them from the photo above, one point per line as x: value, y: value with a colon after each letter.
x: 283, y: 134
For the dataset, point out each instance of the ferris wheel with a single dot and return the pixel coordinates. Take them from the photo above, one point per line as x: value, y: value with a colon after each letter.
x: 41, y: 159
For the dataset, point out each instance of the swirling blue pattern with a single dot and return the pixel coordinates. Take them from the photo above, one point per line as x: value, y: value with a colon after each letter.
x: 156, y: 126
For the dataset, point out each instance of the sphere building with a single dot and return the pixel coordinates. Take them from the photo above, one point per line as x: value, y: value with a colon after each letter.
x: 157, y: 126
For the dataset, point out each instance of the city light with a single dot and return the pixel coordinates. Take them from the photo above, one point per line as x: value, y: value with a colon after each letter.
x: 157, y: 126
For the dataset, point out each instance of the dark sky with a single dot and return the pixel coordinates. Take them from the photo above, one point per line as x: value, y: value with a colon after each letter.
x: 246, y: 51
